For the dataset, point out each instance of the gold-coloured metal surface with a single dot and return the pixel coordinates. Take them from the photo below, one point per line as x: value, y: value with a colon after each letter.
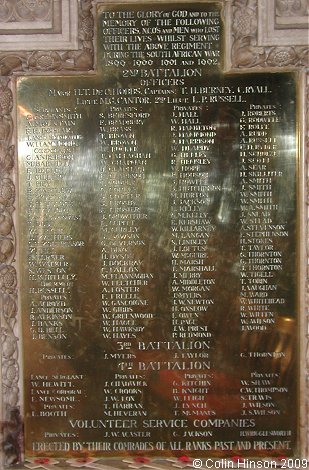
x: 158, y: 224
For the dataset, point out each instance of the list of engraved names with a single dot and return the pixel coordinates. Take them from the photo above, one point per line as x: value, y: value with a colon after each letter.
x: 158, y: 203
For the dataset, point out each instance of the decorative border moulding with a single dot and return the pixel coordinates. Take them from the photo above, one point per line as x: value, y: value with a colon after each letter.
x: 18, y: 18
x: 73, y: 52
x: 278, y: 28
x: 250, y: 36
x: 10, y: 376
x: 66, y: 39
x: 246, y: 49
x: 306, y: 296
x: 291, y: 14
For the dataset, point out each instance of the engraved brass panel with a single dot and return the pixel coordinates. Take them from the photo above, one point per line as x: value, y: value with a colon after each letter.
x: 159, y: 250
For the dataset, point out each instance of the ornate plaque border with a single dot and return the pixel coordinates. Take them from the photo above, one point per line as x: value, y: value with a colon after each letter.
x: 243, y: 52
x: 277, y: 26
x: 246, y: 50
x: 56, y: 61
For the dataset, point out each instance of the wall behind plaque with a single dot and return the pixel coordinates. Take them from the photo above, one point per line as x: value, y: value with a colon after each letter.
x: 260, y: 35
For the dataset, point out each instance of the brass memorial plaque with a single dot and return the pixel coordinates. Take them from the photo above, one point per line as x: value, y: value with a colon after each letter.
x: 159, y: 255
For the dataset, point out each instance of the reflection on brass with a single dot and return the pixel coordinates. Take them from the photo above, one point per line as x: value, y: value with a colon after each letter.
x: 158, y: 258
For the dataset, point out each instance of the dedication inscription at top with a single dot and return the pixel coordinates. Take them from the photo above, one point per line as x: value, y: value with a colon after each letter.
x: 159, y: 254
